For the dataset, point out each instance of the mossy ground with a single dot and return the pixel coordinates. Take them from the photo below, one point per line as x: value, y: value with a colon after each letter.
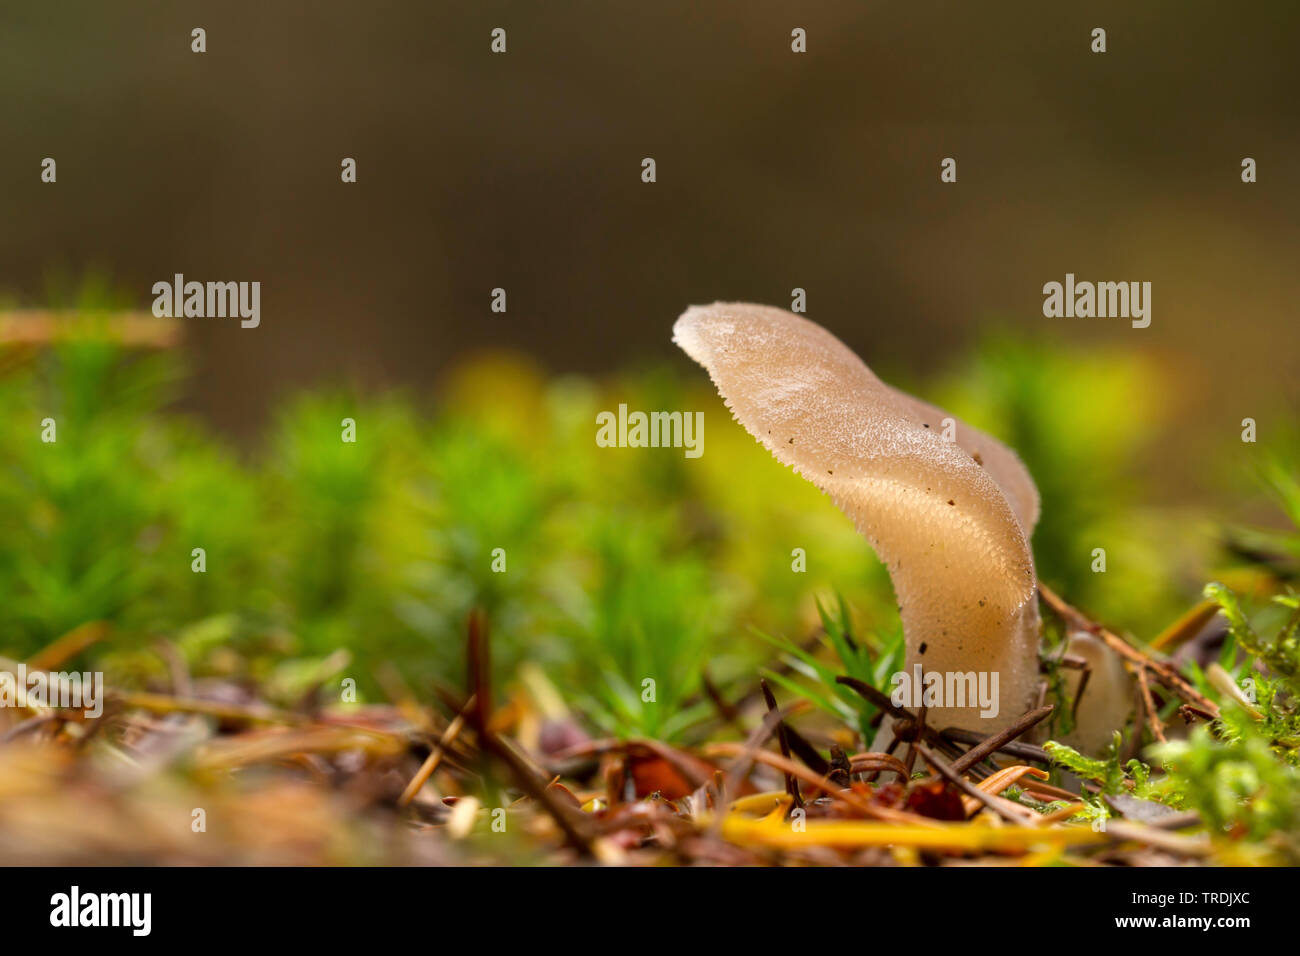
x: 331, y: 565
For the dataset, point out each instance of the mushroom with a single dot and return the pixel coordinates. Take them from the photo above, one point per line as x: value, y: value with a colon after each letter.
x: 947, y: 508
x: 1109, y: 695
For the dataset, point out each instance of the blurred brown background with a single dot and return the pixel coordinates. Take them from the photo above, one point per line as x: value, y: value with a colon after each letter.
x: 775, y: 170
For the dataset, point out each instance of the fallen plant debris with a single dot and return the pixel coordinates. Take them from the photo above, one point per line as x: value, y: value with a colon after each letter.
x: 223, y: 737
x: 397, y: 784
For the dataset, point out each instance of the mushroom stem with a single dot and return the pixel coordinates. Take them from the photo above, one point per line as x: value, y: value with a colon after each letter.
x: 995, y: 649
x: 1108, y: 696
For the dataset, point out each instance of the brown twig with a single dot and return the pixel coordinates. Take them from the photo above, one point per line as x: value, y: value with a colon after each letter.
x: 791, y: 783
x: 905, y: 721
x: 998, y: 805
x: 1163, y: 672
x: 1189, y: 711
x: 435, y: 756
x: 805, y: 751
x: 726, y: 784
x: 990, y: 744
x: 165, y: 704
x: 914, y: 738
x: 846, y: 796
x: 68, y: 646
x: 874, y: 696
x: 864, y: 763
x: 1015, y: 748
x: 1149, y: 705
x: 42, y: 327
x: 1082, y: 665
x: 1186, y: 626
x: 480, y: 710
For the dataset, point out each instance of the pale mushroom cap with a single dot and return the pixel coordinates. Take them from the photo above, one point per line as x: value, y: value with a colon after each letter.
x: 953, y: 530
x: 783, y: 369
x: 1108, y: 697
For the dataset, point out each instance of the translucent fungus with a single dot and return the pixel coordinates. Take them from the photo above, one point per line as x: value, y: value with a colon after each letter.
x: 947, y: 508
